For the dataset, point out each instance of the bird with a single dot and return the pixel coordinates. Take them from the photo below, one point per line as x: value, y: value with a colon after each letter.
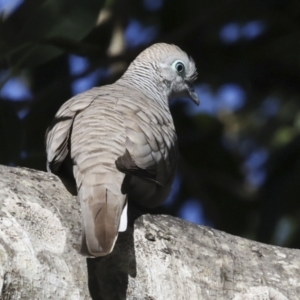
x: 117, y: 143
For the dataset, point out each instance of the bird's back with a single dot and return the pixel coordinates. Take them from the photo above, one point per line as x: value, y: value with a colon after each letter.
x: 119, y: 142
x: 107, y: 123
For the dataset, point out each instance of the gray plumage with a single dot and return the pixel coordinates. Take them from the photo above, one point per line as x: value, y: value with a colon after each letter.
x: 119, y: 143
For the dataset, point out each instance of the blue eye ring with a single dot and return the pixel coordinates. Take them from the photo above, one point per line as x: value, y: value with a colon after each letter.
x: 179, y: 66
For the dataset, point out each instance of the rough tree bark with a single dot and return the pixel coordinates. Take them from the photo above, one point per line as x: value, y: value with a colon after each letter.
x: 165, y: 258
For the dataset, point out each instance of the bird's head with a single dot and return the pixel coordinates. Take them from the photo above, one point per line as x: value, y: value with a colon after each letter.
x: 165, y: 67
x: 179, y: 72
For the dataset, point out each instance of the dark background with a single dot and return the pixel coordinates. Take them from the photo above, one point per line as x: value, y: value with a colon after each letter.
x: 239, y: 164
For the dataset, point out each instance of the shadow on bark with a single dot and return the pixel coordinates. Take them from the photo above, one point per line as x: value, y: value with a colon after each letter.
x: 108, y: 275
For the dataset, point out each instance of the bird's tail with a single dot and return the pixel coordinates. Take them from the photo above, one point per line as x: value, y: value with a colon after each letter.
x: 104, y: 214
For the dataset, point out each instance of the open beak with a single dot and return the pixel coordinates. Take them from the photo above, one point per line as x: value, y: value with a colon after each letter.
x: 192, y: 93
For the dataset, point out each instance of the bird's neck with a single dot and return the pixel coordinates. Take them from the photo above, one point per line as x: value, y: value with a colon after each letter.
x: 148, y: 82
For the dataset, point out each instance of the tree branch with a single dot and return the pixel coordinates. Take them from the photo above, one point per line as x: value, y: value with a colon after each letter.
x: 165, y: 258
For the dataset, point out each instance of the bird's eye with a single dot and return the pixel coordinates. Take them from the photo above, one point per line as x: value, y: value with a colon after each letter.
x: 179, y: 66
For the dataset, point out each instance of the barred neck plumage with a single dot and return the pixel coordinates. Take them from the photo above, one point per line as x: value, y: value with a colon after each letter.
x: 145, y: 77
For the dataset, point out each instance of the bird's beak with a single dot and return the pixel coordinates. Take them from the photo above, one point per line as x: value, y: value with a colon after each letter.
x: 192, y: 93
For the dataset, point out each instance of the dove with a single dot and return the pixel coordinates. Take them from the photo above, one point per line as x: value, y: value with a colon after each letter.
x: 117, y: 143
